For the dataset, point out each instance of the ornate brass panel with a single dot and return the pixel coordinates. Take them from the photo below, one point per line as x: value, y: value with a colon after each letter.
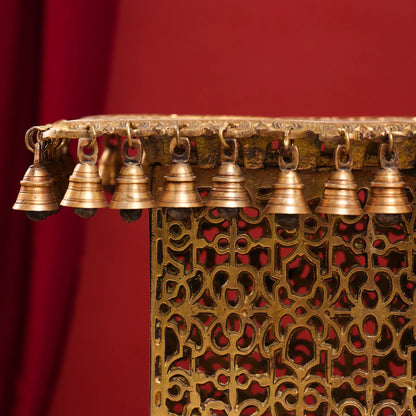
x: 259, y: 315
x: 251, y: 318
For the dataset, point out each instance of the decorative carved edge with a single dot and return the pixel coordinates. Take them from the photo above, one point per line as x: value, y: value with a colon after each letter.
x: 255, y: 136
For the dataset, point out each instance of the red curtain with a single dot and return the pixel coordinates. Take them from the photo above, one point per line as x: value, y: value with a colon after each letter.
x: 55, y: 61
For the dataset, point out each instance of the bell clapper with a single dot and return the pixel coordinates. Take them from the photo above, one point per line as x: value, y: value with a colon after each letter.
x: 287, y: 221
x: 130, y: 215
x: 85, y: 212
x: 179, y: 213
x: 228, y: 213
x: 38, y: 215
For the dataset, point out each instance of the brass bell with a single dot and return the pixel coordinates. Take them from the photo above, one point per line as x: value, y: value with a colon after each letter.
x: 287, y: 199
x: 132, y: 194
x: 340, y: 192
x: 36, y: 195
x: 85, y: 193
x: 179, y: 193
x: 228, y: 193
x: 387, y: 196
x: 110, y: 164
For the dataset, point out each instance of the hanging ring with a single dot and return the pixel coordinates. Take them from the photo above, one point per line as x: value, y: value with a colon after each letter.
x: 294, y: 153
x: 383, y: 151
x: 286, y: 140
x: 136, y: 143
x: 339, y: 163
x: 87, y: 143
x: 180, y: 157
x: 389, y: 134
x: 221, y: 135
x: 92, y: 133
x: 31, y: 134
x: 346, y: 135
x: 129, y: 139
x: 234, y: 151
x: 178, y: 136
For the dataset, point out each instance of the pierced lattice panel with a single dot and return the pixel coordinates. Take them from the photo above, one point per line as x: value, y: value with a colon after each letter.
x: 250, y: 318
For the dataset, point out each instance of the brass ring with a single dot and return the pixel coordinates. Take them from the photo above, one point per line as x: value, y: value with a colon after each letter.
x: 137, y: 144
x: 128, y: 132
x: 221, y: 135
x: 93, y: 134
x: 82, y: 156
x: 347, y: 140
x: 178, y: 136
x: 29, y: 142
x: 176, y: 158
x: 286, y: 141
x: 391, y: 141
x: 233, y: 156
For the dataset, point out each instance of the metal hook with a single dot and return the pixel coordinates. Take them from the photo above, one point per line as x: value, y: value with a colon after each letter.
x: 286, y: 141
x: 347, y: 140
x: 178, y: 136
x: 233, y: 157
x: 136, y: 144
x: 221, y: 135
x: 93, y: 134
x: 82, y: 156
x: 129, y: 140
x: 29, y: 141
x: 184, y: 157
x: 391, y: 141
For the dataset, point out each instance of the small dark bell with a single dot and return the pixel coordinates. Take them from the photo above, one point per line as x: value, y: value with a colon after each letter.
x: 39, y: 215
x: 227, y: 213
x: 388, y: 219
x: 85, y: 212
x: 179, y: 213
x: 288, y: 221
x: 130, y: 215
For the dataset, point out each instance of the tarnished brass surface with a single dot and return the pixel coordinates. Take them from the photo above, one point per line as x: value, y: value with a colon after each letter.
x: 256, y: 136
x: 250, y: 318
x: 132, y: 190
x: 256, y: 312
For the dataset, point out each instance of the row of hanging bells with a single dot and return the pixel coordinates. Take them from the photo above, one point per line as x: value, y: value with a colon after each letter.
x: 39, y: 195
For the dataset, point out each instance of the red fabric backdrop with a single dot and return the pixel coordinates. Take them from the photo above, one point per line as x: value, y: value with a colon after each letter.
x: 268, y: 58
x: 55, y: 65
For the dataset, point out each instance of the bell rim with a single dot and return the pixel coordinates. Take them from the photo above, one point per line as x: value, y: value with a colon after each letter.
x: 17, y: 206
x: 355, y: 212
x: 77, y: 204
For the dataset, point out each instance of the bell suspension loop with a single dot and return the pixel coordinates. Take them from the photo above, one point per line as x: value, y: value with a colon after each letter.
x: 179, y: 194
x: 388, y: 199
x: 132, y: 194
x: 85, y: 192
x: 287, y: 200
x: 340, y: 191
x: 36, y: 195
x: 228, y: 193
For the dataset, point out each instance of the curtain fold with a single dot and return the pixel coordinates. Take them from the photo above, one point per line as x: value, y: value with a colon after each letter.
x: 55, y: 65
